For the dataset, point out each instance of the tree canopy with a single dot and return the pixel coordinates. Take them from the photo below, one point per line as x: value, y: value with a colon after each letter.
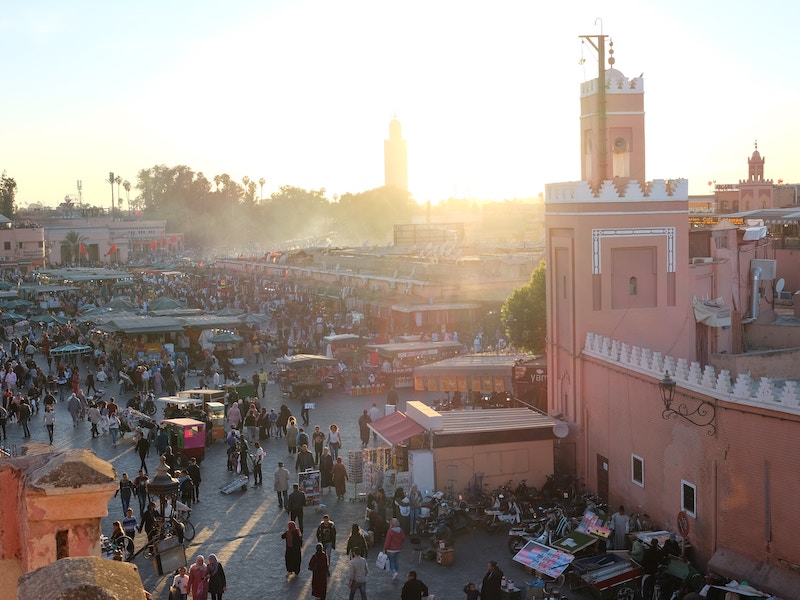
x: 525, y: 313
x: 8, y: 192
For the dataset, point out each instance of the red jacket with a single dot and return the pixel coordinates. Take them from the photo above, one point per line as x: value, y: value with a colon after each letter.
x: 394, y: 539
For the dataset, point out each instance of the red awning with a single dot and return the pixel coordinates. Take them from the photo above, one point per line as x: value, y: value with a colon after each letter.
x: 396, y: 427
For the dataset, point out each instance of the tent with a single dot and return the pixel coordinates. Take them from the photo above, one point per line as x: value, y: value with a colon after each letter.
x: 226, y: 338
x: 305, y: 360
x: 70, y: 349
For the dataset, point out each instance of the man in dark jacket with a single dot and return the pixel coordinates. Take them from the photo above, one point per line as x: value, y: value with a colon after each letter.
x: 143, y: 449
x: 305, y: 460
x: 413, y: 588
x: 492, y: 582
x: 296, y: 501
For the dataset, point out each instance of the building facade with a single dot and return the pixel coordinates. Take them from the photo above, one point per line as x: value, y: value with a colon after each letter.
x: 622, y: 295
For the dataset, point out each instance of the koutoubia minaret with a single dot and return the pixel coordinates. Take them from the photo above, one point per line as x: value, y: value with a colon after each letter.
x: 617, y: 245
x: 395, y: 157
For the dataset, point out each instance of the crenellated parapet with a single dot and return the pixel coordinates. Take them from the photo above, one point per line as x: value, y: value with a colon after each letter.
x: 773, y: 394
x: 623, y: 190
x: 616, y: 83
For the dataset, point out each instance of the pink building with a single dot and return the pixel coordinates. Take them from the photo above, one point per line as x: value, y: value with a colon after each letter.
x: 625, y: 305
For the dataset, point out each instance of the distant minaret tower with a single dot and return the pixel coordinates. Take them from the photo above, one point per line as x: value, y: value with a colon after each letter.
x: 756, y: 192
x: 395, y: 157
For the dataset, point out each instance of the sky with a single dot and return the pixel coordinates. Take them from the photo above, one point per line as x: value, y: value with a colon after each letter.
x: 301, y: 92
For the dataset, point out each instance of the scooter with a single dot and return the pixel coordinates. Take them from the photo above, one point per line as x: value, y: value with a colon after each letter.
x: 149, y: 405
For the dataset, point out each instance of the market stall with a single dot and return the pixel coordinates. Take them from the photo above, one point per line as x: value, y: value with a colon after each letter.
x: 303, y: 375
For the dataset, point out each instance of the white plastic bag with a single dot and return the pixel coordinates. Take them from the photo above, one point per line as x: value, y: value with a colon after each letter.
x: 382, y: 562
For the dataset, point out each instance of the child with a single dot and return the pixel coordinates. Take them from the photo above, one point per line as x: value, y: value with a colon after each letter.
x: 180, y: 585
x: 471, y: 591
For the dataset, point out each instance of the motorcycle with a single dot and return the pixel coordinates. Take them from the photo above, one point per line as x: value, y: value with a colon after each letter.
x: 149, y: 405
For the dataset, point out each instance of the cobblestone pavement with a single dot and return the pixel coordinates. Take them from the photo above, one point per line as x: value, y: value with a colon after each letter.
x: 243, y: 529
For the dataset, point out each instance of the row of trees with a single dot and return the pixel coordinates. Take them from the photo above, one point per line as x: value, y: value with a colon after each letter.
x: 225, y: 212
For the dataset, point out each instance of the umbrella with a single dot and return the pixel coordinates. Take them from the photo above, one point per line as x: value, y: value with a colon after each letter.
x: 71, y: 349
x: 225, y: 338
x: 253, y: 318
x: 5, y: 285
x: 305, y: 360
x: 229, y: 312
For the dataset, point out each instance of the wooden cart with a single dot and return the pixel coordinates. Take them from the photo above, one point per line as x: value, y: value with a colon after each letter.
x: 609, y: 576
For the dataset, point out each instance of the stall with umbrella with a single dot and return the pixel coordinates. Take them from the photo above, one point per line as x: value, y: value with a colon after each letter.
x: 70, y: 350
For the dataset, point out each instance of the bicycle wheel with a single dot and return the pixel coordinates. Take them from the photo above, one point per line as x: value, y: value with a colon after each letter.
x: 125, y: 547
x: 188, y: 530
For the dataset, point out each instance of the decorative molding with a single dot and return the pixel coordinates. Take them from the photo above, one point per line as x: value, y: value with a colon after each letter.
x: 692, y: 378
x: 599, y: 234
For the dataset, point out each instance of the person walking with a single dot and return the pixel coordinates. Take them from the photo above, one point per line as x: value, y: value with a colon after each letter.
x: 198, y: 576
x: 305, y: 460
x: 113, y: 428
x: 125, y: 491
x: 281, y: 485
x: 340, y: 478
x: 217, y: 584
x: 357, y: 574
x: 492, y: 582
x: 258, y: 456
x: 392, y: 545
x: 140, y: 489
x: 180, y: 585
x: 74, y: 407
x: 129, y: 524
x: 291, y: 435
x: 326, y: 534
x: 3, y: 421
x: 95, y: 419
x: 49, y: 422
x: 413, y: 588
x: 334, y: 440
x: 296, y: 502
x: 374, y: 414
x: 326, y: 469
x: 363, y: 428
x: 294, y: 546
x: 318, y: 439
x: 194, y: 474
x: 143, y: 450
x: 24, y: 416
x: 320, y: 570
x: 356, y: 541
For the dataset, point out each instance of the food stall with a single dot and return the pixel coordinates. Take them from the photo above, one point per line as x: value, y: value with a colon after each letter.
x: 187, y: 438
x: 397, y: 361
x: 303, y: 375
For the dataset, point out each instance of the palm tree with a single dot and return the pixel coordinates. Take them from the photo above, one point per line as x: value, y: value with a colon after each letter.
x: 118, y: 181
x: 72, y: 243
x: 126, y: 185
x: 261, y: 182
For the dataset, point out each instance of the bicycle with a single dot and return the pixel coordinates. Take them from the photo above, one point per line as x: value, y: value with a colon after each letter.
x: 183, y: 515
x: 120, y: 549
x: 164, y: 529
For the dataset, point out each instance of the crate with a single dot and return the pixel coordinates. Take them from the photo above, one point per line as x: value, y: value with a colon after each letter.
x: 446, y: 556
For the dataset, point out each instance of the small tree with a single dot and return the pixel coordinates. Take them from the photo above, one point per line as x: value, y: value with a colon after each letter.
x: 525, y: 313
x: 8, y: 192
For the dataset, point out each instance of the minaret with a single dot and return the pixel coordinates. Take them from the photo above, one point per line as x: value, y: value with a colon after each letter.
x: 395, y: 157
x: 612, y: 123
x: 756, y: 192
x: 617, y: 245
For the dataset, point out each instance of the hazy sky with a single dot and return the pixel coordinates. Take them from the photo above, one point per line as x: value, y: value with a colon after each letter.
x: 302, y: 92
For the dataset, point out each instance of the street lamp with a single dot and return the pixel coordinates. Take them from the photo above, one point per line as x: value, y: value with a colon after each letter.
x: 702, y: 416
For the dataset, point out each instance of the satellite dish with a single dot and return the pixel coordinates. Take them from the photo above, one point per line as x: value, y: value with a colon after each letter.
x: 561, y: 430
x: 779, y: 286
x: 620, y: 145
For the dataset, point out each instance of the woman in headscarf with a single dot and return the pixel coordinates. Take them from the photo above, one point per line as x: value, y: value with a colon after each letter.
x: 319, y: 568
x: 326, y: 468
x: 294, y: 543
x: 340, y: 478
x: 217, y: 583
x: 198, y: 575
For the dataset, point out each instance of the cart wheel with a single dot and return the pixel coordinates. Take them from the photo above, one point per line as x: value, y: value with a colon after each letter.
x: 626, y: 592
x: 516, y: 543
